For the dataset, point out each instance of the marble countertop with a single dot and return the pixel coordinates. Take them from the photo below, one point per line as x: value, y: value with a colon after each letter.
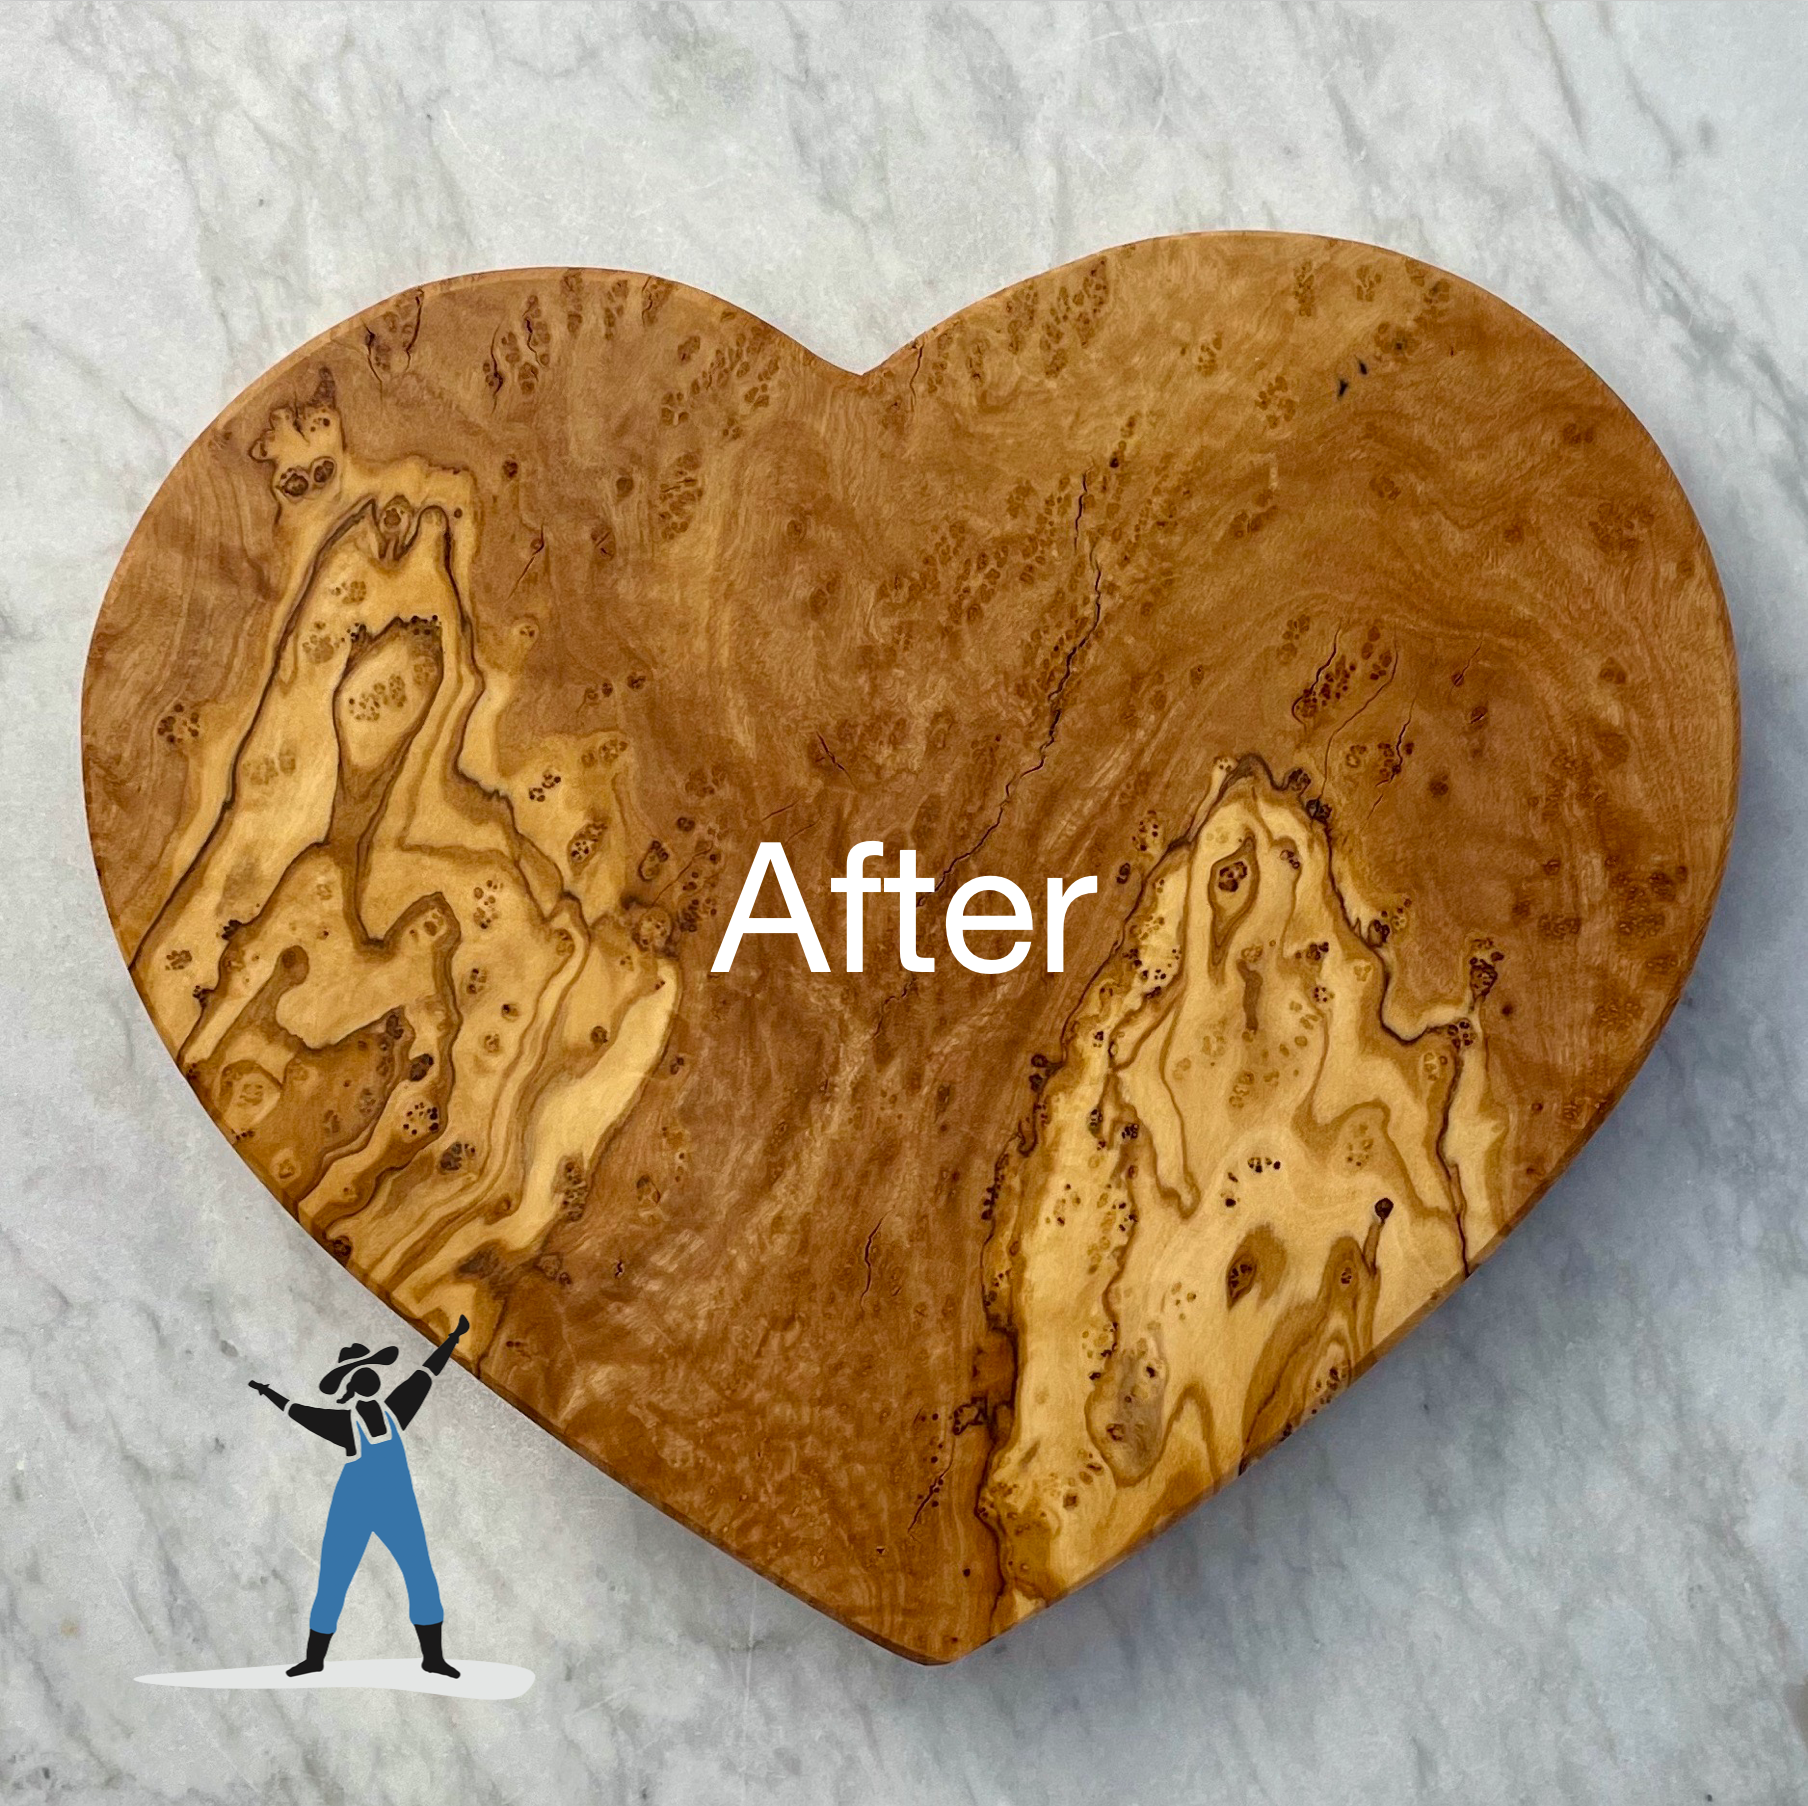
x: 1552, y: 1549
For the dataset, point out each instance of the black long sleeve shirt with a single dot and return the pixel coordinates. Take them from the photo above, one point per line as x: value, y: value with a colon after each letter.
x: 334, y: 1422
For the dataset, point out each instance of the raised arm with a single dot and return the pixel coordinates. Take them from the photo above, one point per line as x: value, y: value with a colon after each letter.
x: 335, y: 1426
x: 411, y: 1394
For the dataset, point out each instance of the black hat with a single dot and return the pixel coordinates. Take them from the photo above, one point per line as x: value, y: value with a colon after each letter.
x: 355, y: 1354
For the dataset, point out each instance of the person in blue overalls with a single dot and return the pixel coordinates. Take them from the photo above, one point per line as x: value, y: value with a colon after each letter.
x: 375, y: 1493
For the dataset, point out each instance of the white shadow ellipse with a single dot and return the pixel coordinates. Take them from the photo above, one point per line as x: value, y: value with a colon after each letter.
x: 398, y: 1674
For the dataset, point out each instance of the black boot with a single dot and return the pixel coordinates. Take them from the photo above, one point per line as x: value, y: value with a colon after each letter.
x: 316, y: 1656
x: 433, y: 1658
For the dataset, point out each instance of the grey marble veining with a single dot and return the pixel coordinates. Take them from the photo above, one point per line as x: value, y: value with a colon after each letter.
x: 1552, y: 1549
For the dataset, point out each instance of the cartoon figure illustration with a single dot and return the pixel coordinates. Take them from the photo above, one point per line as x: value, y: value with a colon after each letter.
x: 374, y: 1495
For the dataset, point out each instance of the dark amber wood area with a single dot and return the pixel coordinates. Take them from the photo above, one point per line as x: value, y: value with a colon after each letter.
x: 1335, y: 616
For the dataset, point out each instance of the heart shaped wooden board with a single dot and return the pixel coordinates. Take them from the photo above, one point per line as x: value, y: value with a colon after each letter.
x: 1336, y: 618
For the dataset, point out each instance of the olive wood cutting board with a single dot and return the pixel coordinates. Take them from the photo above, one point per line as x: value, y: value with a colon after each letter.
x: 1329, y: 613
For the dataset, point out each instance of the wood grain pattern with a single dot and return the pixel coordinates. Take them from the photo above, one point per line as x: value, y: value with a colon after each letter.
x: 1336, y: 617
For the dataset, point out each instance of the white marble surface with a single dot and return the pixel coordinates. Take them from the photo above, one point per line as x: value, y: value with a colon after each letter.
x: 1552, y: 1550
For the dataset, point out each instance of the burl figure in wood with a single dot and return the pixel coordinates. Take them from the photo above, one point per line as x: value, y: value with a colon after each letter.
x: 1336, y: 618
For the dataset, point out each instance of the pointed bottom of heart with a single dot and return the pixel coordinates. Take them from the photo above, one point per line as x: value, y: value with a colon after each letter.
x: 400, y: 1674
